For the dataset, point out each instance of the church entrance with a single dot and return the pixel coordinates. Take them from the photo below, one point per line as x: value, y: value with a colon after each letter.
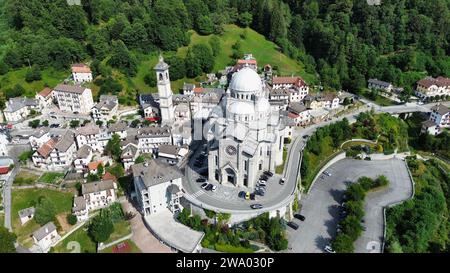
x: 231, y: 176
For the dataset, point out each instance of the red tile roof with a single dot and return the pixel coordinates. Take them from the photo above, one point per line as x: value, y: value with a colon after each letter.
x: 80, y: 68
x: 439, y: 81
x: 198, y: 90
x: 293, y: 115
x: 289, y: 80
x: 94, y: 165
x: 252, y: 61
x: 45, y: 92
x: 47, y: 148
x: 109, y: 176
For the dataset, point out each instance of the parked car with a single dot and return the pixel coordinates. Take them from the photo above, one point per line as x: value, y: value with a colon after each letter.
x: 264, y: 177
x: 268, y: 173
x: 256, y: 206
x: 252, y: 196
x: 54, y: 125
x: 204, y: 185
x: 241, y: 194
x: 327, y: 173
x: 201, y: 180
x: 214, y: 188
x: 209, y: 187
x: 329, y: 249
x: 260, y: 192
x: 282, y: 181
x: 292, y: 225
x: 299, y: 217
x: 261, y: 183
x: 305, y: 136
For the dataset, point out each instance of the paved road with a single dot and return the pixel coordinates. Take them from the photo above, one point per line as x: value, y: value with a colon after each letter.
x: 321, y: 206
x: 7, y: 195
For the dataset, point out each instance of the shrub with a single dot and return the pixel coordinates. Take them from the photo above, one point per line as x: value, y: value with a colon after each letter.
x: 71, y: 219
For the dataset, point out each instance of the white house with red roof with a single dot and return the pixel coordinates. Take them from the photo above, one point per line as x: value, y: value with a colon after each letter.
x: 297, y: 87
x: 81, y: 73
x: 45, y: 97
x: 431, y: 87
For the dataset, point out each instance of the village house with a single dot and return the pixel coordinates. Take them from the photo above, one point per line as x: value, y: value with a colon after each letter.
x: 39, y: 137
x: 129, y: 154
x: 188, y: 88
x: 149, y: 138
x: 119, y: 128
x: 439, y: 119
x: 106, y: 108
x: 432, y: 87
x: 57, y: 153
x: 44, y: 97
x: 99, y: 194
x: 4, y: 142
x: 380, y: 85
x: 73, y: 98
x: 172, y: 154
x: 79, y: 209
x: 149, y: 106
x: 81, y: 73
x: 322, y: 100
x: 152, y: 181
x: 93, y: 167
x: 299, y: 113
x: 46, y: 236
x: 89, y: 135
x: 296, y: 87
x: 82, y: 158
x: 26, y: 215
x: 17, y: 109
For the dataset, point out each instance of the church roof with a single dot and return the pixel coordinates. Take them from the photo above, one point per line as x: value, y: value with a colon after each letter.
x: 161, y: 65
x: 246, y: 80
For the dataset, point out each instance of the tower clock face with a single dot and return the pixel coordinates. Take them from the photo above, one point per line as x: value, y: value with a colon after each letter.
x: 231, y: 150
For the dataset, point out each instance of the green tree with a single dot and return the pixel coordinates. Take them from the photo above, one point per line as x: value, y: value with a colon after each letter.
x: 101, y: 227
x: 113, y: 147
x: 34, y: 123
x: 45, y: 123
x: 7, y: 240
x: 177, y: 67
x: 214, y: 42
x: 45, y: 211
x: 205, y: 25
x: 150, y: 79
x: 343, y: 244
x: 245, y: 19
x: 71, y: 219
x: 123, y: 59
x: 74, y: 123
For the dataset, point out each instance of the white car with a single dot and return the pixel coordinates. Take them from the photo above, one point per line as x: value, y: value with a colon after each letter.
x: 214, y: 188
x: 329, y: 249
x: 262, y: 182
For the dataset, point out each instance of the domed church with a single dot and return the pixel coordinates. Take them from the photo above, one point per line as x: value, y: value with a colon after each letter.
x: 246, y: 137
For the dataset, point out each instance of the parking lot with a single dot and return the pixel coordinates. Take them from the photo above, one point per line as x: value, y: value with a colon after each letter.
x: 321, y: 206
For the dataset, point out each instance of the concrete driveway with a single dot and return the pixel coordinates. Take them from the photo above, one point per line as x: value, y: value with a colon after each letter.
x: 321, y: 206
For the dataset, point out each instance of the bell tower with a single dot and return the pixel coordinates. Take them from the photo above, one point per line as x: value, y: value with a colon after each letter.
x: 164, y: 91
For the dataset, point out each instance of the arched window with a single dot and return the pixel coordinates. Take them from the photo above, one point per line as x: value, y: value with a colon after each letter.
x: 160, y: 76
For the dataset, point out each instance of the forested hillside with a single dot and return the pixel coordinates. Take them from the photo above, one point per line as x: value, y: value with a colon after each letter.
x: 345, y: 42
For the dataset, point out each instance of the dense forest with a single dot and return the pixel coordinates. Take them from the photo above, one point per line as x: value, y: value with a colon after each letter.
x: 344, y: 42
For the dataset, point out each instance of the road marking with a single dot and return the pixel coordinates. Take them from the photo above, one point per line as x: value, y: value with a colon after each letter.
x: 197, y: 194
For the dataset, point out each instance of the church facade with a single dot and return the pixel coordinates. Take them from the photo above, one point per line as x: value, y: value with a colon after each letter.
x: 246, y: 136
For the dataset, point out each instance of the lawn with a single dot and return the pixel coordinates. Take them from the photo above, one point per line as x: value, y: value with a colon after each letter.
x: 121, y: 229
x: 81, y: 237
x: 25, y: 198
x: 133, y: 247
x: 51, y: 177
x: 380, y: 100
x: 50, y: 77
x: 25, y: 178
x: 357, y: 143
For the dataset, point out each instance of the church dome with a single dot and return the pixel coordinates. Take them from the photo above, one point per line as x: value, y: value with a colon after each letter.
x: 241, y: 108
x: 246, y: 80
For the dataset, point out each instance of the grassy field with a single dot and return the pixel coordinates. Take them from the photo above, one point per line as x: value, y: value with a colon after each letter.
x: 279, y: 169
x: 263, y: 50
x: 133, y: 248
x: 50, y: 77
x: 25, y: 198
x: 121, y: 229
x: 51, y: 177
x: 25, y: 178
x: 82, y: 238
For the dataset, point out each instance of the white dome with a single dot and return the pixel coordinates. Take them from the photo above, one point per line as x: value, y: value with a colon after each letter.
x: 241, y: 108
x: 246, y: 80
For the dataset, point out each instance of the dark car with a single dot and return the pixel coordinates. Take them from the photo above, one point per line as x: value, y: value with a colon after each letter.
x: 241, y: 194
x: 268, y: 173
x: 305, y: 136
x: 282, y: 181
x: 54, y: 125
x: 293, y: 225
x: 209, y: 187
x: 256, y: 206
x: 252, y: 196
x: 264, y: 177
x: 260, y: 192
x: 201, y: 180
x: 299, y: 217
